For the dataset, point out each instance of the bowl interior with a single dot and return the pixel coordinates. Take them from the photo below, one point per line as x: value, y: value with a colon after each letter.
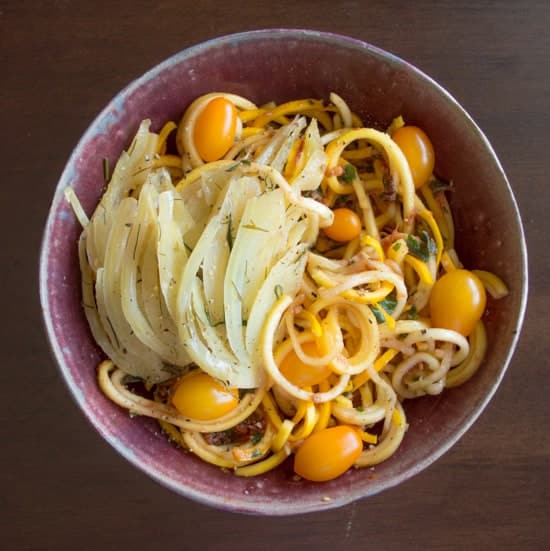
x: 281, y: 65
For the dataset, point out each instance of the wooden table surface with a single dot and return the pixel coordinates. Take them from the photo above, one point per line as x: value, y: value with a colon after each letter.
x: 62, y: 486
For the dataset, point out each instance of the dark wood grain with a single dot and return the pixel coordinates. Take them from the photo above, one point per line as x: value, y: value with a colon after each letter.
x: 62, y: 486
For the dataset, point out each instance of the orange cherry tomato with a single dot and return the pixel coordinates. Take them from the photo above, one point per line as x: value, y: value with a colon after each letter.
x: 215, y: 129
x: 345, y: 227
x: 419, y: 152
x: 328, y: 453
x: 200, y: 396
x: 300, y: 373
x: 457, y: 301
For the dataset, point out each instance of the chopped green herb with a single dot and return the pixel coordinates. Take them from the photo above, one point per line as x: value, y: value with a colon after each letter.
x: 349, y: 174
x: 211, y: 322
x: 437, y: 186
x: 253, y: 226
x: 237, y: 290
x: 359, y: 409
x: 232, y: 167
x: 421, y: 247
x: 229, y: 433
x: 117, y: 342
x: 388, y: 304
x: 396, y: 246
x: 106, y: 172
x: 269, y: 184
x: 244, y: 391
x: 278, y: 290
x: 256, y: 437
x: 377, y: 314
x: 137, y: 240
x: 432, y: 246
x: 413, y: 313
x: 230, y: 231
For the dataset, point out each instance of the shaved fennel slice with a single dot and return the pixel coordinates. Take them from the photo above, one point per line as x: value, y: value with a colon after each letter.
x: 127, y: 177
x: 281, y: 137
x: 297, y: 224
x: 163, y: 263
x: 200, y: 198
x: 131, y: 355
x: 255, y: 244
x: 171, y: 251
x: 140, y: 231
x: 111, y: 343
x: 312, y: 174
x: 293, y: 133
x: 191, y: 335
x: 154, y: 304
x: 215, y: 262
x: 284, y: 279
x: 202, y: 341
x: 89, y: 300
x: 143, y: 236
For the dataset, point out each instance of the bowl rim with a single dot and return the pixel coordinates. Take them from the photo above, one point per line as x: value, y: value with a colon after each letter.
x: 105, y: 116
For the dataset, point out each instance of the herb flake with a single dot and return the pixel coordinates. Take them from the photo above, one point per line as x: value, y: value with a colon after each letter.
x: 437, y: 186
x: 229, y: 235
x: 253, y: 226
x: 349, y: 173
x: 256, y: 437
x: 106, y: 170
x: 388, y: 304
x: 421, y: 247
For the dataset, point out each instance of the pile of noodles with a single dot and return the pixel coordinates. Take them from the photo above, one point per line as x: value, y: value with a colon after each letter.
x: 224, y: 267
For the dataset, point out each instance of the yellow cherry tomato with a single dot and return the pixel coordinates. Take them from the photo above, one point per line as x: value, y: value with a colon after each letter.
x: 328, y: 453
x: 200, y: 396
x: 345, y: 227
x: 215, y: 129
x: 457, y: 301
x: 419, y: 152
x: 300, y: 373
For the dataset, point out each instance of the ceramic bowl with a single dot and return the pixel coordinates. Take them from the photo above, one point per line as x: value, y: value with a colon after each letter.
x: 282, y: 65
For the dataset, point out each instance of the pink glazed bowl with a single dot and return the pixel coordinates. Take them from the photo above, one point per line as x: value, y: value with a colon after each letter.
x: 282, y: 65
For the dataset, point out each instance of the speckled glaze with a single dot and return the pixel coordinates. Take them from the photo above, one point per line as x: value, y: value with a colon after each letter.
x: 287, y: 64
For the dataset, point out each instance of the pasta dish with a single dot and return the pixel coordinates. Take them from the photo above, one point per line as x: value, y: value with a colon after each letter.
x: 278, y: 280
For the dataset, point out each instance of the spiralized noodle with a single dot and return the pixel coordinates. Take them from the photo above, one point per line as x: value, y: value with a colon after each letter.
x: 224, y: 270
